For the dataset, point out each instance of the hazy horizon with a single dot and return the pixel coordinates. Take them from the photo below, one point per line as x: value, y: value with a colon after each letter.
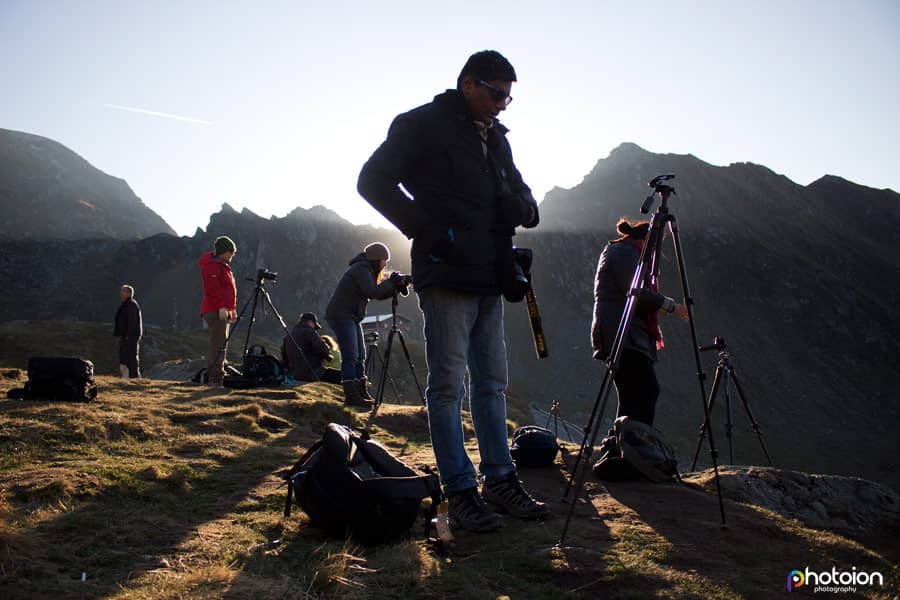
x: 276, y: 107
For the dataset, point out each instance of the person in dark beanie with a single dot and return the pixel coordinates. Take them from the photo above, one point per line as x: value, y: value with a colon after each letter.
x: 308, y: 363
x: 453, y: 158
x: 363, y: 280
x: 219, y: 305
x: 128, y: 328
x: 635, y: 379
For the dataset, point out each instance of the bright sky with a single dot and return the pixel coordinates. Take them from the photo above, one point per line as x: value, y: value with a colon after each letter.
x: 273, y: 105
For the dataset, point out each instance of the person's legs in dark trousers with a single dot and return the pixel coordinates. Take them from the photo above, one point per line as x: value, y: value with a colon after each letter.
x: 133, y: 347
x: 637, y: 387
x: 215, y: 353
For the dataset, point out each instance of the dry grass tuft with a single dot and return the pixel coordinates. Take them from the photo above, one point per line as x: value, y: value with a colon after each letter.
x: 151, y: 473
x: 13, y: 374
x: 340, y: 573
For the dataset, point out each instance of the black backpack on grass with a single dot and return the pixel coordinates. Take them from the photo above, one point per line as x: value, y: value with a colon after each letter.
x: 58, y: 378
x: 635, y: 450
x: 350, y: 485
x: 259, y: 369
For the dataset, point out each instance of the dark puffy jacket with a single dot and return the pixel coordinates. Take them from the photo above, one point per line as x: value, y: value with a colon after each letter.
x: 437, y: 154
x: 615, y: 270
x: 314, y: 350
x: 356, y: 287
x: 128, y: 320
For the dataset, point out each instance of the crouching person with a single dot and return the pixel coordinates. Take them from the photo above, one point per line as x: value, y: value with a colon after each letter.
x: 305, y: 353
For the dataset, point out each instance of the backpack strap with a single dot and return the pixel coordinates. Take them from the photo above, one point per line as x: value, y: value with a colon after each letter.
x: 292, y: 473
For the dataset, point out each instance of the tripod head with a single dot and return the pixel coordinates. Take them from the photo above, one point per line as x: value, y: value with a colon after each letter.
x: 718, y: 344
x: 660, y: 188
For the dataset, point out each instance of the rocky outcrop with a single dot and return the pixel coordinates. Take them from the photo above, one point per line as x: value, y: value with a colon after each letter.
x: 843, y: 504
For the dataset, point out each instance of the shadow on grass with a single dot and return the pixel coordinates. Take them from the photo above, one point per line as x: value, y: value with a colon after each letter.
x: 751, y: 557
x: 139, y: 521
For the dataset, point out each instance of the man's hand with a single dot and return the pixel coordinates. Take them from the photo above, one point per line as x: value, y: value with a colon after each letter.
x: 232, y: 316
x: 681, y: 312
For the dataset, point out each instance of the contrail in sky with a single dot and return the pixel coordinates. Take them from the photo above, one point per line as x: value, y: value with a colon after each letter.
x: 156, y: 114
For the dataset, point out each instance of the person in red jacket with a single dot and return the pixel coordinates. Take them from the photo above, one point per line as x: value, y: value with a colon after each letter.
x: 219, y: 307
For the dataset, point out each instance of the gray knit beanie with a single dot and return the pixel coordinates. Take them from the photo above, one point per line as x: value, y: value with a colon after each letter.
x: 377, y: 251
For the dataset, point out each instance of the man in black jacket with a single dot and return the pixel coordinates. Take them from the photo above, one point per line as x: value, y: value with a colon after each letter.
x: 453, y: 158
x: 308, y: 363
x: 128, y: 329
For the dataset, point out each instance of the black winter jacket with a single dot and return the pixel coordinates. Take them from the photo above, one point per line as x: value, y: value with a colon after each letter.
x: 315, y: 351
x: 128, y: 320
x: 437, y: 154
x: 615, y: 270
x: 354, y: 290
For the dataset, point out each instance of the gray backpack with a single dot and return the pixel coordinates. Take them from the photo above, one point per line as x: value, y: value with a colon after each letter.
x: 634, y: 449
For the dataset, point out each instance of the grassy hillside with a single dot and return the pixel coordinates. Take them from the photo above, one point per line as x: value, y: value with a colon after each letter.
x: 170, y: 490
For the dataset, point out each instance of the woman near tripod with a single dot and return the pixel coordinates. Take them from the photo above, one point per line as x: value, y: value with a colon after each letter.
x: 635, y: 379
x: 363, y: 280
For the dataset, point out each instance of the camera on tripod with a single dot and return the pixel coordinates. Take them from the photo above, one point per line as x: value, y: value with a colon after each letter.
x: 402, y: 282
x: 265, y: 274
x: 718, y: 344
x: 371, y: 337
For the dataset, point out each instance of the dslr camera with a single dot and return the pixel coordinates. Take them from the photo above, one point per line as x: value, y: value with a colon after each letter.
x: 264, y: 273
x: 402, y: 282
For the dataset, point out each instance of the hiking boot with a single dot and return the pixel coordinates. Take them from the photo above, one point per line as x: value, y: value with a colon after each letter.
x: 364, y: 388
x: 508, y: 496
x: 352, y: 396
x: 468, y: 511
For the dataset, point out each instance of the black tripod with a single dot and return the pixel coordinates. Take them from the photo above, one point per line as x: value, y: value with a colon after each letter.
x: 554, y: 416
x: 373, y: 353
x: 648, y: 265
x: 725, y: 376
x: 385, y: 374
x: 262, y: 275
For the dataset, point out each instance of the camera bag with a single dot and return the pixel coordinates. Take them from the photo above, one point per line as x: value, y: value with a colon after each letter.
x: 636, y: 450
x: 260, y: 368
x: 533, y: 446
x: 350, y: 485
x: 57, y: 378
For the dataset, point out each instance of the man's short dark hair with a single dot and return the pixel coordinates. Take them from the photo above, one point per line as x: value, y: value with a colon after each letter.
x: 487, y: 65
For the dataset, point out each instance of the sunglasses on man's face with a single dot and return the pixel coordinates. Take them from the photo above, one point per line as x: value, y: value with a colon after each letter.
x: 497, y: 95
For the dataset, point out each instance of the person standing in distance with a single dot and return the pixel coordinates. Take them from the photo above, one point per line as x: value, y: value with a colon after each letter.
x: 219, y: 306
x: 453, y: 158
x: 129, y: 329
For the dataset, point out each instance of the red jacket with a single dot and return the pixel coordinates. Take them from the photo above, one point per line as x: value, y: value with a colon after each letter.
x: 219, y: 289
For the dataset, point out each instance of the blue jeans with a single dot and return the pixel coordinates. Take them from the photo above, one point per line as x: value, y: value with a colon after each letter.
x: 466, y: 331
x: 353, y: 348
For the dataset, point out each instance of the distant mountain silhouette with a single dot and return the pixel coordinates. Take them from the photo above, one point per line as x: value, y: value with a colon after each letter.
x: 48, y: 192
x: 801, y: 281
x: 308, y: 248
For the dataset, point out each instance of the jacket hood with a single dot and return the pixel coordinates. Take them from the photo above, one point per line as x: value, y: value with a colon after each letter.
x: 209, y: 258
x: 205, y: 259
x: 361, y: 257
